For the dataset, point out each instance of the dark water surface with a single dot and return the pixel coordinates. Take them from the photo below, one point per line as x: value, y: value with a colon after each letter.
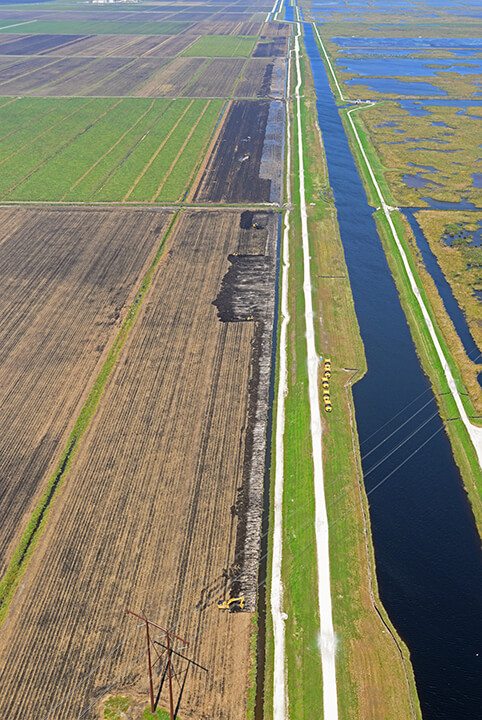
x: 427, y: 548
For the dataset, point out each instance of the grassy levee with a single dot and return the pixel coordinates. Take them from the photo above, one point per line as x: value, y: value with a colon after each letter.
x: 367, y: 642
x: 462, y: 447
x: 38, y: 519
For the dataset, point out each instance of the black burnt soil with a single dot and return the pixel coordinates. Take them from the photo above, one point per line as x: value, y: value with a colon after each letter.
x: 232, y: 175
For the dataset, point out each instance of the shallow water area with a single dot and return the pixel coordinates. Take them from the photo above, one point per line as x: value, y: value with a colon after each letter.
x: 392, y: 86
x: 445, y: 291
x: 472, y: 238
x: 388, y: 66
x: 416, y: 181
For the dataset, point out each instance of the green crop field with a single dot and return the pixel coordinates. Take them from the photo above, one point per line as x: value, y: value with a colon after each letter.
x: 109, y: 150
x: 97, y: 27
x: 222, y: 46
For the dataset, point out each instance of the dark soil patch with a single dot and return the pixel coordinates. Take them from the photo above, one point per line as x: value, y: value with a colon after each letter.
x: 232, y: 175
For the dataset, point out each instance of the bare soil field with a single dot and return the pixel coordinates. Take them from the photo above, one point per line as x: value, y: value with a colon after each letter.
x: 274, y: 30
x: 6, y: 61
x: 149, y: 514
x: 100, y: 46
x: 129, y: 80
x: 217, y: 78
x: 66, y: 275
x: 271, y: 47
x: 139, y: 46
x: 256, y: 79
x: 234, y: 172
x: 147, y: 76
x: 227, y: 27
x: 174, y: 45
x: 37, y: 44
x: 172, y: 79
x: 23, y: 66
x: 64, y: 76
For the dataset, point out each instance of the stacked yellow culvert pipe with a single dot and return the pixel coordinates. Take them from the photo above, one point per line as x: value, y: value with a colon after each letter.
x: 325, y: 385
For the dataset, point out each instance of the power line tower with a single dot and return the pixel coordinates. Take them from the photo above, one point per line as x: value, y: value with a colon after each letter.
x: 165, y: 659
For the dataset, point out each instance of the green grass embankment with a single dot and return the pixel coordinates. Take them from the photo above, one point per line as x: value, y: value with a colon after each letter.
x: 38, y: 519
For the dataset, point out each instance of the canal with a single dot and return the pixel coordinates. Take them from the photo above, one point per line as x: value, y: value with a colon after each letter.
x: 426, y: 544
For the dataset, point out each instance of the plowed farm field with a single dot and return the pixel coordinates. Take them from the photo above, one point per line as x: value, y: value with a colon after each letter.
x: 146, y: 517
x: 131, y: 150
x: 66, y: 276
x: 80, y: 26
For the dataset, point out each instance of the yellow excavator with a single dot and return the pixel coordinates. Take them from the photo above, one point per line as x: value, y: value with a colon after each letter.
x: 231, y: 603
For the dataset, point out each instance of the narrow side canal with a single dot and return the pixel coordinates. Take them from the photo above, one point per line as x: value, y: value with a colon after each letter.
x: 426, y: 543
x: 445, y: 291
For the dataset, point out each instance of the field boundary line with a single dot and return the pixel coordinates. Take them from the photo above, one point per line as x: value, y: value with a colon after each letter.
x: 25, y: 22
x: 60, y: 149
x: 179, y: 153
x: 30, y: 536
x: 107, y: 152
x: 156, y: 153
x: 275, y: 207
x: 196, y: 180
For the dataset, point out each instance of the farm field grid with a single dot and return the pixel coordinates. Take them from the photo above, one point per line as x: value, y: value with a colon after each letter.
x: 136, y: 342
x: 241, y: 272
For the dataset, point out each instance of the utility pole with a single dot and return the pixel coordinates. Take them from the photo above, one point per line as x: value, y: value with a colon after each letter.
x: 168, y: 646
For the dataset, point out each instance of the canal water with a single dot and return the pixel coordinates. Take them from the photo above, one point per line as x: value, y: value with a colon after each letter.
x: 427, y: 548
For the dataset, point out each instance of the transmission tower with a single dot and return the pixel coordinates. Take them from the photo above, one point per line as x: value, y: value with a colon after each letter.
x: 166, y: 654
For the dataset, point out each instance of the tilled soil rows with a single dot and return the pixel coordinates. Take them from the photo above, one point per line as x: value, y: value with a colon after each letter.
x: 66, y: 275
x: 148, y: 516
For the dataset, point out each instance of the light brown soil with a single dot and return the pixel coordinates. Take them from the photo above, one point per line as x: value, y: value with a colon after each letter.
x: 171, y: 78
x: 145, y: 518
x: 65, y: 276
